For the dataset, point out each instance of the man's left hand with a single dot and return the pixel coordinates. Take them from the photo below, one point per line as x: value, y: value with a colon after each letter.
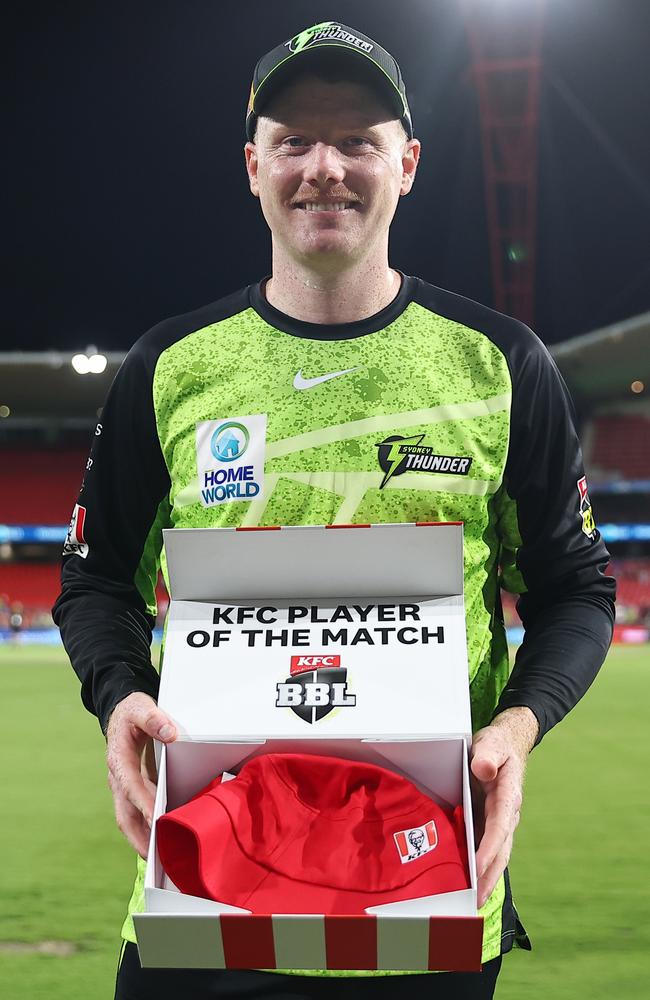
x: 498, y: 763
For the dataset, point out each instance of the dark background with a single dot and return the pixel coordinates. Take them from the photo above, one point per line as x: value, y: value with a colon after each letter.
x: 127, y: 195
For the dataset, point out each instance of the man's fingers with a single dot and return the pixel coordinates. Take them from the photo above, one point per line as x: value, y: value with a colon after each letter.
x: 148, y: 764
x: 140, y: 711
x: 489, y: 753
x: 485, y: 767
x: 495, y: 870
x: 130, y: 820
x: 133, y: 722
x: 127, y: 777
x: 499, y: 753
x: 146, y: 716
x: 501, y: 815
x: 493, y: 839
x: 130, y: 764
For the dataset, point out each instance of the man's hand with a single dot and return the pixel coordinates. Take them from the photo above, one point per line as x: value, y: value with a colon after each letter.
x: 498, y: 763
x: 131, y: 765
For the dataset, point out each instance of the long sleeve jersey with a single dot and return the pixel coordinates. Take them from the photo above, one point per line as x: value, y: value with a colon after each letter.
x: 434, y: 409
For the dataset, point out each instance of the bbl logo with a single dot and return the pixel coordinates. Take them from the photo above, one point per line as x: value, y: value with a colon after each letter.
x: 317, y: 685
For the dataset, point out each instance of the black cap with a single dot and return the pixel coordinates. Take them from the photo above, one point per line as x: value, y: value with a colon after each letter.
x: 277, y: 66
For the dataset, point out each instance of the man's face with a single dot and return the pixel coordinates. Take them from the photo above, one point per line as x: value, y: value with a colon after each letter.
x: 329, y: 165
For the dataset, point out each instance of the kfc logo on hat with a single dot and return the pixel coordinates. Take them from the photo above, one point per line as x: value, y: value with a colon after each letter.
x: 413, y: 843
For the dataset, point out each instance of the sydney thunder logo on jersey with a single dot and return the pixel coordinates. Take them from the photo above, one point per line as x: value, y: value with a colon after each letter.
x: 407, y: 454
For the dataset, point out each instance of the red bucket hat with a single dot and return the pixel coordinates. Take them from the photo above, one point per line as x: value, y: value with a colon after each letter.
x: 295, y: 833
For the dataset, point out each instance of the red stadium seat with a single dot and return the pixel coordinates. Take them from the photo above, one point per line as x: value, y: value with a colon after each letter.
x: 39, y: 487
x: 621, y: 446
x: 34, y: 585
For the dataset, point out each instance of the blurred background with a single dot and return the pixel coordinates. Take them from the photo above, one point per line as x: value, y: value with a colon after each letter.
x: 127, y: 202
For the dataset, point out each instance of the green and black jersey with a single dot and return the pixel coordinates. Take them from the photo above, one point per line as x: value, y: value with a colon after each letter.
x: 434, y: 409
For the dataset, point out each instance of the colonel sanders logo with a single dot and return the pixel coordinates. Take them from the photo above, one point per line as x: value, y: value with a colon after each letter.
x: 412, y: 844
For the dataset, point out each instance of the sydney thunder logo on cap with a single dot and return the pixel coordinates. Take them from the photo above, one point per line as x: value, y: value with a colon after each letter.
x: 275, y: 68
x: 326, y: 29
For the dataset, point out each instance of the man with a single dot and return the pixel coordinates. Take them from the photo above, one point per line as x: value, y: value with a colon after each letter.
x: 345, y: 357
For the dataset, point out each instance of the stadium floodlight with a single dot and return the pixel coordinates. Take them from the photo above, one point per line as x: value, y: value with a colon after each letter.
x: 90, y: 363
x: 80, y: 363
x: 97, y: 363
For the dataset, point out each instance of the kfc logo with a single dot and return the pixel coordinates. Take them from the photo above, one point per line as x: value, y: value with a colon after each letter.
x: 300, y: 663
x: 412, y: 844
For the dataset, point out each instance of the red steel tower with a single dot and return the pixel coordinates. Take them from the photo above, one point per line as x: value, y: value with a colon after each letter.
x: 505, y: 40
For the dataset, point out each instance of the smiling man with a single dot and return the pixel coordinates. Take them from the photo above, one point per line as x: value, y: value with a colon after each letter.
x: 339, y: 390
x: 329, y: 164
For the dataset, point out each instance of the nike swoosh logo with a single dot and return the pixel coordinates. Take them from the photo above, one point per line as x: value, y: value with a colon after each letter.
x: 308, y: 383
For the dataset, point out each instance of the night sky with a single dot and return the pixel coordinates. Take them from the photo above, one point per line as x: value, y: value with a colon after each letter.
x: 127, y: 195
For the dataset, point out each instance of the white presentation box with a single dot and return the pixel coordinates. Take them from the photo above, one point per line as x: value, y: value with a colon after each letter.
x: 387, y: 683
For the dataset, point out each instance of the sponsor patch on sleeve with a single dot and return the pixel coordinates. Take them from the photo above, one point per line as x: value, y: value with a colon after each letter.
x: 75, y: 544
x: 586, y: 511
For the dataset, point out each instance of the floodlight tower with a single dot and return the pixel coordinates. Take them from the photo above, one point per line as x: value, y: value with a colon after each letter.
x: 505, y: 40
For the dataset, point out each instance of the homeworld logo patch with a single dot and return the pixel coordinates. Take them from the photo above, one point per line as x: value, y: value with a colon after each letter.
x: 230, y: 458
x: 317, y: 685
x: 398, y: 455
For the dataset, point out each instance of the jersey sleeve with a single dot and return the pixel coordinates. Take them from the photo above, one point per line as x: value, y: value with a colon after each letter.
x: 107, y: 606
x: 552, y: 552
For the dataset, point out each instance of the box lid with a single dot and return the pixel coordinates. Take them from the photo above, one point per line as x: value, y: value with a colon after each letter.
x: 255, y: 631
x: 339, y: 561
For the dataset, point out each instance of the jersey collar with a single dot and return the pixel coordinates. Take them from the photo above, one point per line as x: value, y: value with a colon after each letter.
x: 323, y: 331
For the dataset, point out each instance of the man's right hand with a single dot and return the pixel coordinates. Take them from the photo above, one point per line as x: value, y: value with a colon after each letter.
x: 134, y: 723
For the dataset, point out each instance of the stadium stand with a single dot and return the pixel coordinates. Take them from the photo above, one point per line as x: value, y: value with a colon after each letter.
x: 620, y: 446
x: 39, y: 487
x: 34, y: 585
x: 633, y: 598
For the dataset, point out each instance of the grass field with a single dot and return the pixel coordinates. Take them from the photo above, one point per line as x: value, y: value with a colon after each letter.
x: 580, y: 871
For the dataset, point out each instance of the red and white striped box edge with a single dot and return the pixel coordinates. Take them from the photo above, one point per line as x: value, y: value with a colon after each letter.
x: 314, y: 941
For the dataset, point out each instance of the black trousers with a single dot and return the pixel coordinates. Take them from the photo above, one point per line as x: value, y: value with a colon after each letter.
x: 136, y: 983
